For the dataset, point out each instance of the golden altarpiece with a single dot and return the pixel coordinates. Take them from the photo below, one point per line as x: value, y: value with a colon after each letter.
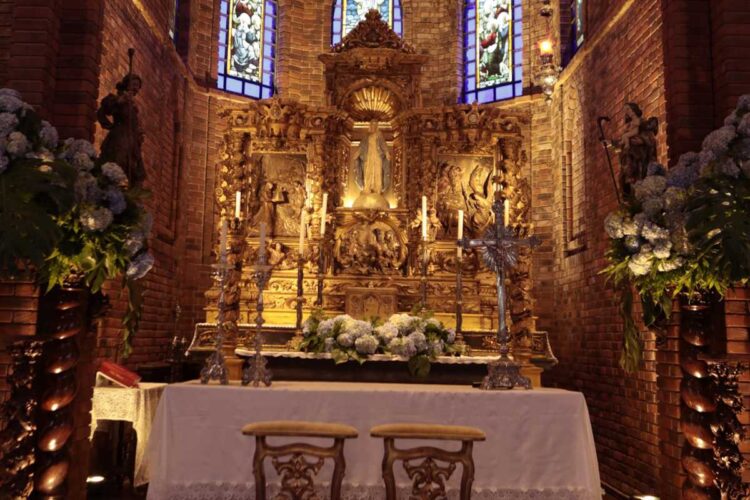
x: 282, y: 156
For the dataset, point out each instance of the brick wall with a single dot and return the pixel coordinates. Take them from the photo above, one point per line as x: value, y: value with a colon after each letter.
x: 620, y: 61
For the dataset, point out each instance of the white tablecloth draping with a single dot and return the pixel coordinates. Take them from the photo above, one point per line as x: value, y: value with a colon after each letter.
x: 135, y: 405
x: 539, y: 443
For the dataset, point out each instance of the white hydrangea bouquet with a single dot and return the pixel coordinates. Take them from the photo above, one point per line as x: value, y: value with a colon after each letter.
x: 420, y: 339
x: 66, y: 214
x: 684, y: 229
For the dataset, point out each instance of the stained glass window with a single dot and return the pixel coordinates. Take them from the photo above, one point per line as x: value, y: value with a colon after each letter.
x: 348, y: 13
x: 173, y: 20
x: 247, y: 47
x: 578, y: 23
x: 493, y: 50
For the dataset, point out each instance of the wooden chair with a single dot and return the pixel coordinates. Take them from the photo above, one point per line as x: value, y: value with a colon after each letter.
x: 429, y: 476
x: 297, y: 473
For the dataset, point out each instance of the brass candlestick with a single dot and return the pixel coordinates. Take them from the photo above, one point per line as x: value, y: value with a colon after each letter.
x: 300, y: 300
x: 459, y: 292
x: 321, y: 273
x: 257, y: 369
x: 423, y: 277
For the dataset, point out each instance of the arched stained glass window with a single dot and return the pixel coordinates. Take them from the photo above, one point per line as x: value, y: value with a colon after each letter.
x: 247, y: 47
x: 348, y: 13
x: 493, y: 50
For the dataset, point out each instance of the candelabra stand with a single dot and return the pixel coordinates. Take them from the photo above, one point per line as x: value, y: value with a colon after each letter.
x: 257, y: 369
x: 321, y: 273
x: 459, y: 293
x: 423, y: 275
x: 300, y: 301
x: 216, y: 366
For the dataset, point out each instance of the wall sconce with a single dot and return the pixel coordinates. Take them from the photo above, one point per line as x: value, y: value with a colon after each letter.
x: 549, y: 72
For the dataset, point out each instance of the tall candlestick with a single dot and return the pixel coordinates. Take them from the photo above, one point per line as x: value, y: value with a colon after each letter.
x: 323, y: 210
x: 459, y: 249
x: 223, y: 241
x: 302, y: 230
x: 262, y: 242
x: 506, y: 212
x: 237, y: 204
x: 424, y: 218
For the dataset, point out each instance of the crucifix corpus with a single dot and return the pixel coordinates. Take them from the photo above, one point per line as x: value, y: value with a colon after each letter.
x: 499, y: 249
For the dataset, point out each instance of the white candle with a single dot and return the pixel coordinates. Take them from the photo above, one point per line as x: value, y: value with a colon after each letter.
x: 506, y: 212
x: 302, y: 229
x: 262, y: 242
x: 323, y: 210
x: 424, y: 218
x: 237, y: 204
x: 459, y: 251
x: 223, y: 241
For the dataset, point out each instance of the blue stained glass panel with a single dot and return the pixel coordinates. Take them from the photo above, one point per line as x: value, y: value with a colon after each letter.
x: 493, y: 50
x: 347, y: 14
x: 247, y: 40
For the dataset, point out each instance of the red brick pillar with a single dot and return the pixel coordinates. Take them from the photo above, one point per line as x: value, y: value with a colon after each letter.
x: 730, y: 38
x: 33, y: 47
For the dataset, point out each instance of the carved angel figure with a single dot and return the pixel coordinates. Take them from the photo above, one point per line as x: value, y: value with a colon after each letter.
x: 478, y: 198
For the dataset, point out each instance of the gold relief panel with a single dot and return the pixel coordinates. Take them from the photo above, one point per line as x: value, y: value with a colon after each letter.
x: 370, y: 243
x: 464, y: 182
x: 277, y: 193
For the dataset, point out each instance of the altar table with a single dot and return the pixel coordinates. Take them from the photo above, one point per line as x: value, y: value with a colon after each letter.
x: 539, y: 443
x: 135, y: 405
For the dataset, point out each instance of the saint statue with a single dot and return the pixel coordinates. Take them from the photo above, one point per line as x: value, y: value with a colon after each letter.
x: 373, y: 169
x: 125, y: 136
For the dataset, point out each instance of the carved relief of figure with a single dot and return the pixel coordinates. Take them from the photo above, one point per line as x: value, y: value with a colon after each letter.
x: 372, y: 172
x: 275, y: 254
x: 434, y: 227
x: 125, y: 137
x: 636, y: 147
x: 479, y: 198
x: 450, y: 199
x: 294, y: 198
x: 267, y: 210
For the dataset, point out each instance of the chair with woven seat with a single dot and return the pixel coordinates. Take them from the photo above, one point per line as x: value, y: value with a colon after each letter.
x: 297, y: 474
x: 429, y: 476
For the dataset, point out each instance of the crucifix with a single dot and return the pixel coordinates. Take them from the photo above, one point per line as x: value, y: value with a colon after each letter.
x: 499, y: 249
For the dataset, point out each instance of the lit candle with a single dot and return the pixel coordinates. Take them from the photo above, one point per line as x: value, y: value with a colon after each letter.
x: 506, y: 213
x: 323, y: 210
x: 262, y: 242
x: 460, y: 249
x: 223, y: 241
x: 237, y: 204
x: 302, y: 229
x: 424, y: 218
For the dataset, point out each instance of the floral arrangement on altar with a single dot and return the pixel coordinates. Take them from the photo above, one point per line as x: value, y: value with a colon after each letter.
x: 685, y: 229
x: 420, y: 339
x: 65, y: 213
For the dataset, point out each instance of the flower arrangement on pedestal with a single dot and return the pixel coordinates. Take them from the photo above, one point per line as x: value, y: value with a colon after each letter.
x: 419, y: 339
x: 64, y: 213
x: 685, y: 229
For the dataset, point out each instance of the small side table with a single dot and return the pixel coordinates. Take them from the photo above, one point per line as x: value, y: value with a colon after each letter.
x: 135, y: 405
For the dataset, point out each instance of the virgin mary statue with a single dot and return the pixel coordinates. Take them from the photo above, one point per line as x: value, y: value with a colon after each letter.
x: 373, y: 170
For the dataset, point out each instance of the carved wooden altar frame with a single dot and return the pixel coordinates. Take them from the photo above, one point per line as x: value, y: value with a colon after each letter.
x: 372, y: 74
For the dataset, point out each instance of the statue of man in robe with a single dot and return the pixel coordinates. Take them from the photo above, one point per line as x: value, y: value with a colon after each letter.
x: 373, y: 170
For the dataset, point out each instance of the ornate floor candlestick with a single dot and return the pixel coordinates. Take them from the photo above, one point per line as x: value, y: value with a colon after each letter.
x: 216, y: 367
x: 257, y: 369
x: 300, y: 298
x: 500, y: 251
x: 321, y: 246
x: 459, y: 278
x: 423, y: 275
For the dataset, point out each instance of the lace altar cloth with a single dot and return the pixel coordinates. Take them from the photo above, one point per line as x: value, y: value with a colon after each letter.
x: 539, y: 443
x: 136, y: 405
x: 246, y: 491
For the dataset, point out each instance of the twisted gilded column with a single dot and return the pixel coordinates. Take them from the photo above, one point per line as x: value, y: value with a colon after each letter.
x: 698, y: 397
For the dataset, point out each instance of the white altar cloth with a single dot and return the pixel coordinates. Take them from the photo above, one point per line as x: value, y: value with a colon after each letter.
x: 539, y: 443
x: 136, y: 405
